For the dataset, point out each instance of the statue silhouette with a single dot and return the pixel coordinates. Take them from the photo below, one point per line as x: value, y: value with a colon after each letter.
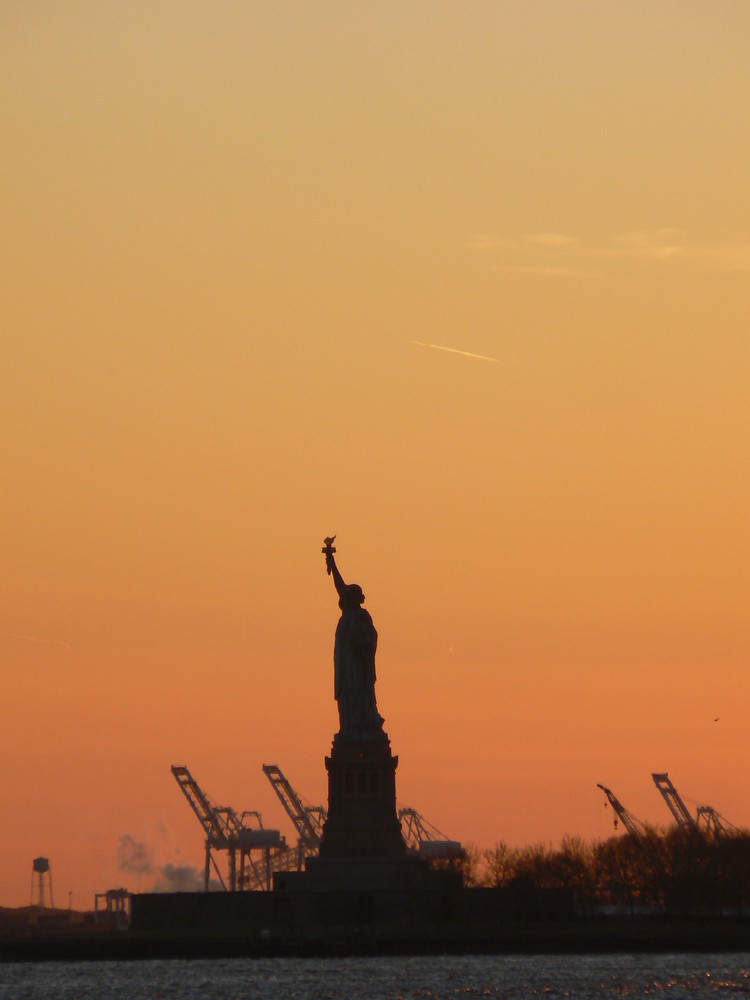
x: 354, y: 661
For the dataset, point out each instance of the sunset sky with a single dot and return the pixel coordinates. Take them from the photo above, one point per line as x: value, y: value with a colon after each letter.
x: 464, y: 283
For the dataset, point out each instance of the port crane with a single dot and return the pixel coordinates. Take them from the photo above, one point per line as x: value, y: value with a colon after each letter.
x: 426, y: 841
x: 706, y: 818
x: 308, y: 820
x: 631, y: 824
x: 712, y: 821
x: 225, y: 830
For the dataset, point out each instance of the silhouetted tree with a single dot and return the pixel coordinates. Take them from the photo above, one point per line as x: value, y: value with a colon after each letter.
x: 470, y: 866
x: 499, y: 865
x: 680, y: 870
x: 573, y: 866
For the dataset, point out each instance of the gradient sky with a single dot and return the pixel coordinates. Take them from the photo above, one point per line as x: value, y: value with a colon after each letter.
x: 236, y: 238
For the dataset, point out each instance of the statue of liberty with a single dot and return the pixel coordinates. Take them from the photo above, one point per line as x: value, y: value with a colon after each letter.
x: 354, y: 661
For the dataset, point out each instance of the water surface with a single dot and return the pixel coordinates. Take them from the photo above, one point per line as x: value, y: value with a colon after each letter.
x: 549, y: 976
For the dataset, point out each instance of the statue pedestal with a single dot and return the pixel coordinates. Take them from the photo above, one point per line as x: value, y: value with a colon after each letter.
x: 362, y: 820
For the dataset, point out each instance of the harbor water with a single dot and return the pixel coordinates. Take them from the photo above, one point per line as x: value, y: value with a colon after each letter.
x: 416, y: 978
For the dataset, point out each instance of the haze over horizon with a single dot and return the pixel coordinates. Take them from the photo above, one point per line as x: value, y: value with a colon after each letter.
x: 464, y: 284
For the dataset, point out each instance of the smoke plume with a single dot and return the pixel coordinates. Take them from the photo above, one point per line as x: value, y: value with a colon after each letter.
x: 134, y: 856
x: 137, y: 858
x: 178, y: 878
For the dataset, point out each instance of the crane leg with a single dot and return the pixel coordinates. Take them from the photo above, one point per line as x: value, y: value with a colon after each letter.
x: 232, y: 869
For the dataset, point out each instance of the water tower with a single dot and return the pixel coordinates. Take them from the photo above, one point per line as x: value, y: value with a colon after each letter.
x: 41, y: 883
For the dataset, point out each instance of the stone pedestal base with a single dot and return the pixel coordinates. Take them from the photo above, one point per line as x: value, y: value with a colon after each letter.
x: 362, y: 820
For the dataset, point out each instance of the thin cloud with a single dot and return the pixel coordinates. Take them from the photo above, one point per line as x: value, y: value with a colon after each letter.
x: 548, y: 269
x: 560, y: 254
x: 655, y: 243
x: 486, y: 241
x: 663, y: 244
x: 553, y: 240
x: 730, y: 257
x: 453, y: 350
x: 652, y: 237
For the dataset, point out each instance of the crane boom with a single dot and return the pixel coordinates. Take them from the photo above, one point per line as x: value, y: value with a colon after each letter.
x: 671, y: 796
x: 215, y: 824
x: 628, y: 820
x: 308, y: 820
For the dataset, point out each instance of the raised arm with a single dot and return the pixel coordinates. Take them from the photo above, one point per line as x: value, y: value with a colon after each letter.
x: 334, y: 572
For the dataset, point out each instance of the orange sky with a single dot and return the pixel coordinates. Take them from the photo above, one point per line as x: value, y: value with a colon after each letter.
x: 230, y: 232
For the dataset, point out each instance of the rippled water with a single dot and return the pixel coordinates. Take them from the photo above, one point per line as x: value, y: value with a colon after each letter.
x: 598, y: 976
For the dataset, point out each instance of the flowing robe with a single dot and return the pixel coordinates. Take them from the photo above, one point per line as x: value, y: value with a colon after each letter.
x: 354, y: 675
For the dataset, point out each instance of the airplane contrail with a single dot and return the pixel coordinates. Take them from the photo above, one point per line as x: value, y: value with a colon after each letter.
x: 453, y: 350
x: 36, y: 638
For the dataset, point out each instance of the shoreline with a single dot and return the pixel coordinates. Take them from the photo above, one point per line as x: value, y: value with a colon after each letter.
x: 579, y: 936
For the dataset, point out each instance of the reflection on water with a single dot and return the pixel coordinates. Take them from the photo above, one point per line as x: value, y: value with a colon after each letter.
x: 576, y: 976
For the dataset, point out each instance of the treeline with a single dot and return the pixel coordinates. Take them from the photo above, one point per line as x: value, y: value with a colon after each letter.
x: 677, y: 871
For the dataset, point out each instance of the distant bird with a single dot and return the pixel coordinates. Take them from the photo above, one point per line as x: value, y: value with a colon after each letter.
x: 328, y: 542
x: 717, y: 718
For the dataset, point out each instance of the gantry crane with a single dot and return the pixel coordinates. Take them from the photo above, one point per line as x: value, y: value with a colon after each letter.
x: 226, y: 831
x: 258, y: 875
x: 631, y: 824
x: 706, y: 817
x: 426, y: 841
x: 308, y: 820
